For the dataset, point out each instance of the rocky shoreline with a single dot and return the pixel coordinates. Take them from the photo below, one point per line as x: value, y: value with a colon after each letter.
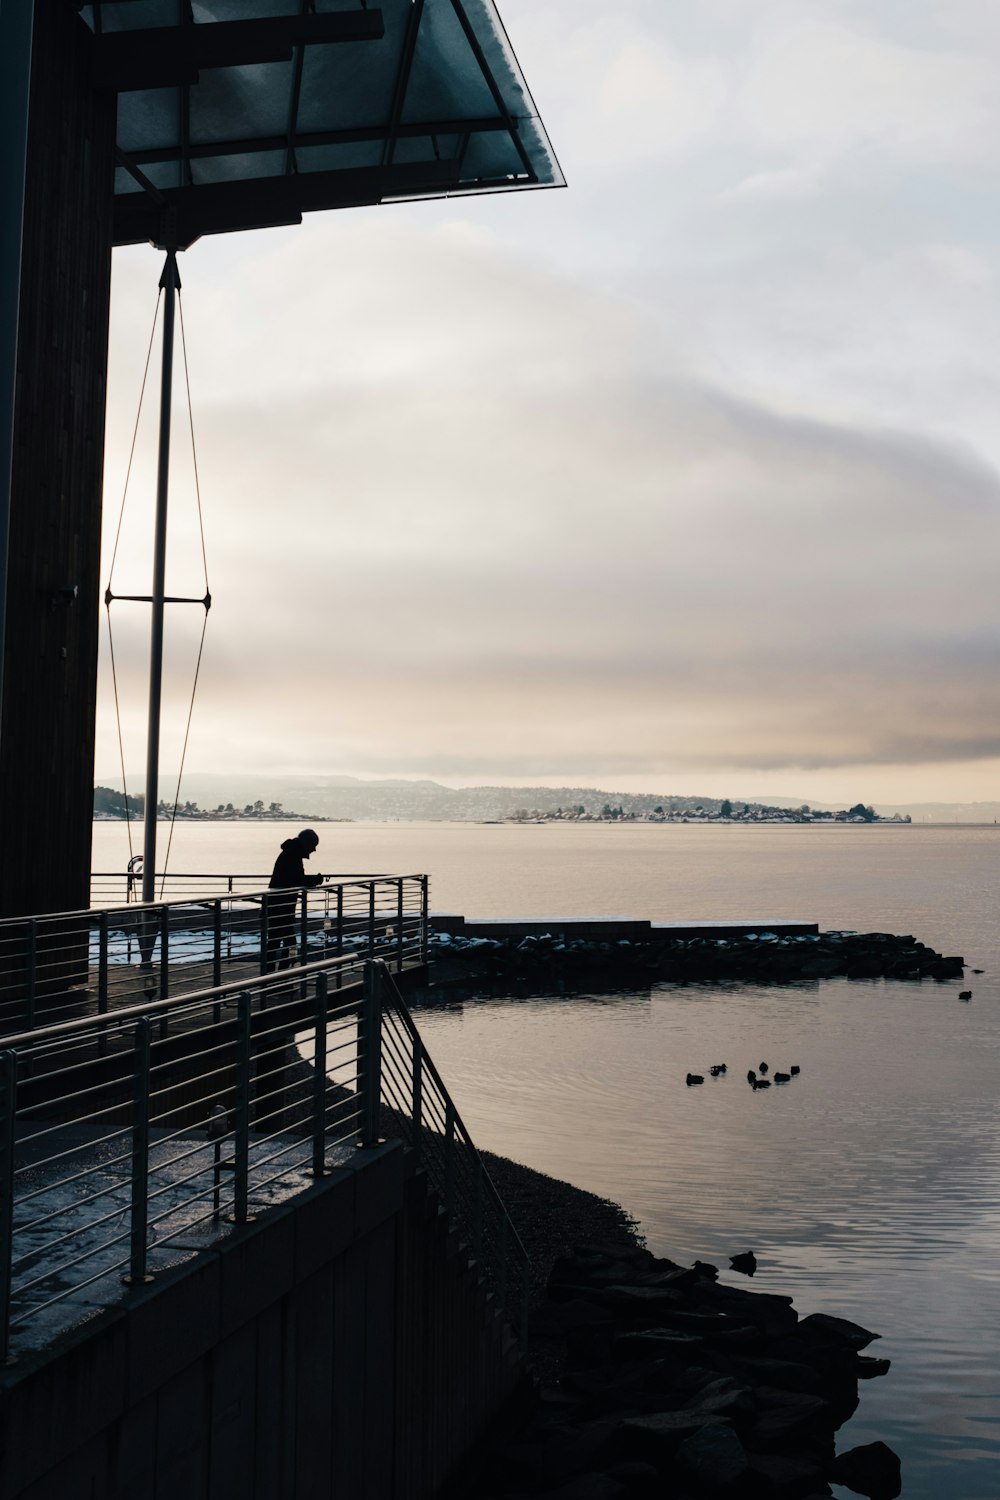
x: 656, y: 1380
x: 757, y: 958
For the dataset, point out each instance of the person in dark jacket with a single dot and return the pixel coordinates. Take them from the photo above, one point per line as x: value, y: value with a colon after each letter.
x: 288, y: 875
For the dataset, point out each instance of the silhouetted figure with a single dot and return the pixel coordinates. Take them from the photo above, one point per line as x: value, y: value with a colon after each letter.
x: 746, y: 1262
x: 288, y: 875
x: 762, y: 1067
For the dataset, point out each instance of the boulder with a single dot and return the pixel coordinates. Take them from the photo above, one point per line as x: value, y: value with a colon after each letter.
x: 831, y: 1330
x: 787, y: 1476
x: 712, y: 1460
x: 872, y: 1469
x: 657, y: 1436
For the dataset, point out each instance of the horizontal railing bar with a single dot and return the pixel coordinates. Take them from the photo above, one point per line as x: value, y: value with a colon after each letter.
x: 175, y: 1003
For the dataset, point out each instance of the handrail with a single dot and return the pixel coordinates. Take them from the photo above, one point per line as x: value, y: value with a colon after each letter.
x: 186, y: 1001
x: 107, y: 958
x: 115, y: 1144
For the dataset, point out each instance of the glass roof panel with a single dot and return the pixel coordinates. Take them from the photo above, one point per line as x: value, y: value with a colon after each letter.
x: 405, y: 98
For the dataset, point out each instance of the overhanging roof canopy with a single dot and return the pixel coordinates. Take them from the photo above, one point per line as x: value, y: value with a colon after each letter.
x: 239, y: 114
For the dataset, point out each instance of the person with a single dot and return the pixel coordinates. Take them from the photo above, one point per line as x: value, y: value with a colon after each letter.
x: 288, y: 875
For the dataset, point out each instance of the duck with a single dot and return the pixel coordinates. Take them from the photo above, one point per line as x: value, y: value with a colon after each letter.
x: 717, y: 1069
x: 794, y: 1069
x: 762, y: 1083
x: 752, y: 1078
x: 694, y: 1078
x: 762, y: 1067
x: 782, y: 1077
x: 746, y: 1262
x: 965, y: 994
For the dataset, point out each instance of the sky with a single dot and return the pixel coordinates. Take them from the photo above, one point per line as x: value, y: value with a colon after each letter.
x: 685, y: 478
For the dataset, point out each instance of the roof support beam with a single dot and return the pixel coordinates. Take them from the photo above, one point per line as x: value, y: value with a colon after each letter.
x: 169, y: 56
x: 303, y: 139
x: 260, y: 202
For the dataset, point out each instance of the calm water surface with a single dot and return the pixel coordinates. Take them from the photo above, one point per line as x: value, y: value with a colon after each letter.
x: 870, y: 1186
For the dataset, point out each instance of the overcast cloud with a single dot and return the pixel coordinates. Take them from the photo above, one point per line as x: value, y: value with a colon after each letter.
x: 685, y: 478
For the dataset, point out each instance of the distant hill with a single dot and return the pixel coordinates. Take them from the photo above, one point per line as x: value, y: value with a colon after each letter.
x: 352, y: 797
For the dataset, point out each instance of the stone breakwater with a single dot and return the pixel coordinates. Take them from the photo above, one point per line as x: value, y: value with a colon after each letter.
x: 679, y: 1387
x: 761, y: 957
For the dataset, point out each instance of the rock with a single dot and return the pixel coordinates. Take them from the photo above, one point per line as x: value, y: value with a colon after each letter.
x: 642, y: 1300
x: 787, y: 1416
x: 722, y: 1397
x: 659, y: 1434
x: 713, y: 1460
x: 787, y: 1476
x: 868, y: 1368
x: 767, y: 1310
x: 593, y: 1486
x: 872, y: 1470
x: 652, y: 1342
x: 833, y: 1330
x: 781, y: 1373
x: 638, y: 1478
x: 576, y: 1312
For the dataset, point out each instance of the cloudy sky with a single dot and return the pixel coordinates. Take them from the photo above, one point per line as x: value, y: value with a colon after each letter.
x: 685, y: 479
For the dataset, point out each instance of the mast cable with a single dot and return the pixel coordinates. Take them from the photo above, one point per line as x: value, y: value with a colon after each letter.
x: 108, y: 596
x: 207, y: 600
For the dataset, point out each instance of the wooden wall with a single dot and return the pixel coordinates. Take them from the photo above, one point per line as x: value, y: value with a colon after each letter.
x: 46, y: 747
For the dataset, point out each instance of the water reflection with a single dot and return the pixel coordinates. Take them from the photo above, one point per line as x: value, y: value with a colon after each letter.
x: 868, y: 1186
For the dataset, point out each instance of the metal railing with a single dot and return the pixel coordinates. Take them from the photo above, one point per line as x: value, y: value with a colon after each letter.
x: 414, y: 1091
x: 61, y: 965
x: 124, y: 887
x: 126, y: 1145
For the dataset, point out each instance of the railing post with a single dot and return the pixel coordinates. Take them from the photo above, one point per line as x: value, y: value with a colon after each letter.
x: 340, y: 931
x: 264, y: 900
x: 370, y: 1054
x: 371, y: 919
x: 137, y: 1273
x: 399, y: 925
x: 241, y: 1141
x: 164, y: 961
x: 304, y: 942
x: 102, y: 979
x: 32, y: 974
x: 477, y: 1213
x: 417, y: 1099
x: 319, y: 1166
x: 424, y: 915
x: 449, y: 1157
x: 502, y: 1267
x: 216, y: 947
x: 8, y: 1115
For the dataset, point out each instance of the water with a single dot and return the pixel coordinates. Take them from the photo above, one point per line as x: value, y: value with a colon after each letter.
x: 870, y: 1186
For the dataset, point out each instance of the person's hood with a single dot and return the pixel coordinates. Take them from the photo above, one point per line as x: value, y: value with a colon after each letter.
x: 290, y: 844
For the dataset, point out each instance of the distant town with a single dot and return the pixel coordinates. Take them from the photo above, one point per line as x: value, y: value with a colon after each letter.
x: 113, y: 807
x: 407, y: 801
x: 724, y: 812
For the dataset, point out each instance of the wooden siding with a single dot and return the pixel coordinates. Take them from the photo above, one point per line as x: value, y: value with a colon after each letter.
x: 47, y: 758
